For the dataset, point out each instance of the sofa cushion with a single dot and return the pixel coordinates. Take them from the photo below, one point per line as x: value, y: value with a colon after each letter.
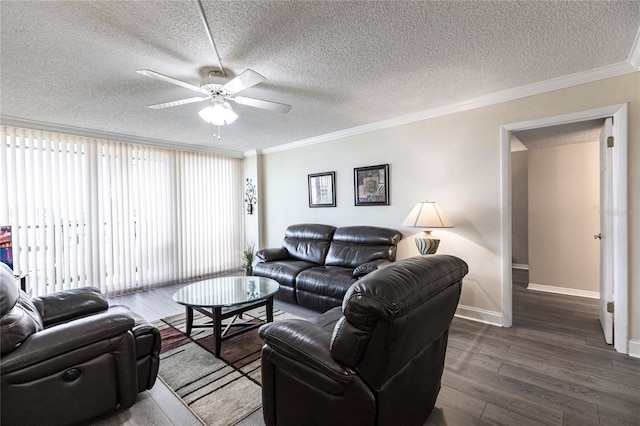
x: 308, y: 242
x: 283, y: 271
x: 332, y: 281
x: 355, y: 245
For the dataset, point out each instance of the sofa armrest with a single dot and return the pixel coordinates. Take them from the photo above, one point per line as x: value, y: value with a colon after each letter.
x: 272, y: 254
x: 304, y: 342
x: 146, y: 334
x: 369, y: 267
x: 62, y: 306
x: 58, y: 340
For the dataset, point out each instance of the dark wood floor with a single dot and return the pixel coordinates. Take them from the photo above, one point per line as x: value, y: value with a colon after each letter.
x: 551, y: 368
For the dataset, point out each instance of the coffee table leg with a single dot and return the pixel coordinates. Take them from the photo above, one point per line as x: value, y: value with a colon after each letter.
x: 217, y: 330
x: 189, y: 320
x: 270, y: 309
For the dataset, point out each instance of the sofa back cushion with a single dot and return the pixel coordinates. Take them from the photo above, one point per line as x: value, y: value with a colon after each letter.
x: 19, y: 318
x: 308, y: 241
x: 355, y: 245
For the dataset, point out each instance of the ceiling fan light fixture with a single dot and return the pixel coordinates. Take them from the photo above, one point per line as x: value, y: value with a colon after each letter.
x: 219, y: 114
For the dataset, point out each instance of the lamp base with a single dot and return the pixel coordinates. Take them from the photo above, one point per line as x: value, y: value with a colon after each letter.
x: 427, y: 245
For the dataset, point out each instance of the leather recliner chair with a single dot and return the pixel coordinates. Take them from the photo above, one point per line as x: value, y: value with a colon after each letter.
x: 377, y: 360
x: 68, y: 357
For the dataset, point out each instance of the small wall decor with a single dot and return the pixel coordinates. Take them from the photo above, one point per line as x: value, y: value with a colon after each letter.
x: 371, y: 185
x: 250, y: 197
x: 322, y: 192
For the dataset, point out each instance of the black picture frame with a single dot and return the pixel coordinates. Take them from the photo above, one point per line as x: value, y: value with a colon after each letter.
x: 371, y: 185
x: 322, y: 189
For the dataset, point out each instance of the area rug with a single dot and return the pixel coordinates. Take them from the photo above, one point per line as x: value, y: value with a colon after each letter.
x: 220, y: 391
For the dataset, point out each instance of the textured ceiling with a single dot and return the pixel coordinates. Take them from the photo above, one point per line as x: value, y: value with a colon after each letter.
x: 562, y: 134
x: 339, y: 64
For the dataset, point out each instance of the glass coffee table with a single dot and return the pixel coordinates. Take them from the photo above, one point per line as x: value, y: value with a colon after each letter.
x: 227, y: 297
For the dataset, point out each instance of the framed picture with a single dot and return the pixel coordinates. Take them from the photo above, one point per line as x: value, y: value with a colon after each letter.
x: 371, y: 185
x: 322, y: 190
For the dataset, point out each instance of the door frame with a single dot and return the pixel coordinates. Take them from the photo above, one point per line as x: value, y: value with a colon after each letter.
x: 620, y: 259
x: 606, y: 227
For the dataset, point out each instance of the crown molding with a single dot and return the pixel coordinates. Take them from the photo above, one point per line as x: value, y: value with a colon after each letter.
x: 557, y: 83
x: 251, y: 153
x: 118, y: 137
x: 614, y: 70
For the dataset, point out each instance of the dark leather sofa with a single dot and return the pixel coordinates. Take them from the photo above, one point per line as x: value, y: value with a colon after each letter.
x: 376, y: 360
x: 68, y: 357
x: 318, y: 263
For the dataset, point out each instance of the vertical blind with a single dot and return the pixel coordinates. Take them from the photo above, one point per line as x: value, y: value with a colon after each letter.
x: 121, y: 217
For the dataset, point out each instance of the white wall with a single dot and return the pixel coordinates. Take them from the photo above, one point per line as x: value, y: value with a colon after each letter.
x: 454, y: 160
x: 564, y: 198
x: 520, y: 207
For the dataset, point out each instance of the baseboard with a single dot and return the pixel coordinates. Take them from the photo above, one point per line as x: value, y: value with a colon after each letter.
x: 634, y: 348
x: 564, y: 290
x: 480, y: 315
x: 520, y: 266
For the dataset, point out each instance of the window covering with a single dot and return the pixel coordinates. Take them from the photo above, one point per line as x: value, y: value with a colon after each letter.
x: 117, y: 216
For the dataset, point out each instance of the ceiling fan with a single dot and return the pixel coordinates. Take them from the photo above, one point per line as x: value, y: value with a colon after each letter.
x: 219, y: 91
x: 216, y: 88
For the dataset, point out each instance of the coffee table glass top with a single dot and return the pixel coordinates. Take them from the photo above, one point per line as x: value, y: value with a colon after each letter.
x: 226, y: 291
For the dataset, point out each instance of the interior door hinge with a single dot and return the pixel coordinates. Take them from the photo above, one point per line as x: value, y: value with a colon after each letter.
x: 610, y: 307
x: 610, y: 142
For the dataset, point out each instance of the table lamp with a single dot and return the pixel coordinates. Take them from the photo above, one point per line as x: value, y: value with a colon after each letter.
x: 427, y: 214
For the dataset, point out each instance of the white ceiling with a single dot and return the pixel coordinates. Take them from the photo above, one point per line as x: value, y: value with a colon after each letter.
x: 339, y: 64
x: 561, y: 134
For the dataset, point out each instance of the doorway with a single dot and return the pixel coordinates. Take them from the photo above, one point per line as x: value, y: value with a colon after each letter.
x: 555, y: 198
x: 619, y: 262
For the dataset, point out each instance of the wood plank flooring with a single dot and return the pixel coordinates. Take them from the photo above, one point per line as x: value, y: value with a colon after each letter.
x: 551, y: 368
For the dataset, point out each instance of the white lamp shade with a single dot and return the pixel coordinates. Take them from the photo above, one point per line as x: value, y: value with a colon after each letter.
x: 427, y: 214
x: 219, y: 114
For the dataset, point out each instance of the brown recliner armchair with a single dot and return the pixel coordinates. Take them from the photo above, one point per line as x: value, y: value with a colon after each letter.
x: 377, y: 360
x: 68, y: 357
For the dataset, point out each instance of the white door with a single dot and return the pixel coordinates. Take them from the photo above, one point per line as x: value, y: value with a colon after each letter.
x: 606, y: 230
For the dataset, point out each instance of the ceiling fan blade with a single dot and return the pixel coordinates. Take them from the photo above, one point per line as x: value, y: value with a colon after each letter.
x: 259, y: 103
x: 245, y: 80
x: 180, y: 102
x: 171, y: 80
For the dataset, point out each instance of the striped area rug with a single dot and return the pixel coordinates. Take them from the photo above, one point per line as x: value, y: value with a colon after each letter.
x: 220, y: 391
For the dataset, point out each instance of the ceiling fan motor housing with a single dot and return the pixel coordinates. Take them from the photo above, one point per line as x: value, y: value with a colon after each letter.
x: 213, y: 84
